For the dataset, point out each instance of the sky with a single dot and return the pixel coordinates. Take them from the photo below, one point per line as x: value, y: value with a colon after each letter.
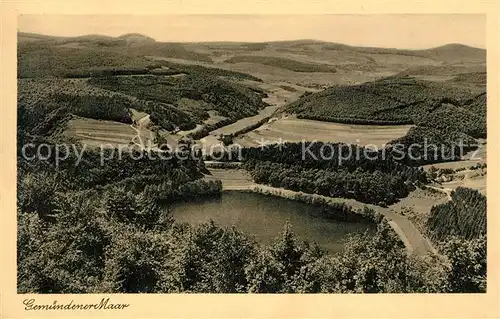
x: 412, y: 31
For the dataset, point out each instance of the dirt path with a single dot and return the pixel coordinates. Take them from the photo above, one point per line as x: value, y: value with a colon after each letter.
x: 475, y: 179
x: 137, y: 140
x: 144, y: 121
x: 447, y: 191
x: 414, y: 241
x: 143, y: 137
x: 238, y: 179
x: 277, y: 96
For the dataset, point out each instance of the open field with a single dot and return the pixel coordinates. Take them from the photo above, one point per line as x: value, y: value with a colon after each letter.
x: 232, y: 179
x: 472, y: 158
x: 295, y: 130
x: 454, y: 165
x: 420, y: 200
x: 475, y: 179
x: 95, y: 133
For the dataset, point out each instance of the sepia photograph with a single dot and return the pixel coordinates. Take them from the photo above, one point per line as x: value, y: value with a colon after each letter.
x: 317, y: 154
x: 271, y: 159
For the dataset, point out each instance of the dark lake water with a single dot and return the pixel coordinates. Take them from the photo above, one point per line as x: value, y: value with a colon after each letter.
x: 264, y: 217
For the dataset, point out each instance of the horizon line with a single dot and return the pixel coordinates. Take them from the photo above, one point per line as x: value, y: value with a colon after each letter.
x: 236, y: 41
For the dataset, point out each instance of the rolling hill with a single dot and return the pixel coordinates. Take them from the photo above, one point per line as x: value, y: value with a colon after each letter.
x: 404, y: 99
x: 185, y: 85
x: 309, y: 63
x: 451, y: 113
x: 193, y: 95
x: 57, y: 56
x: 455, y: 53
x: 106, y: 79
x: 449, y: 53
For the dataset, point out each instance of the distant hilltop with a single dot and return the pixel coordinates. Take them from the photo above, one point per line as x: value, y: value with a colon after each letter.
x: 136, y: 37
x: 455, y: 48
x: 129, y: 37
x: 43, y: 55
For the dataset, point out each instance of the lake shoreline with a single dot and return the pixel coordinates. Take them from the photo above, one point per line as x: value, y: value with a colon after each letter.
x: 264, y: 217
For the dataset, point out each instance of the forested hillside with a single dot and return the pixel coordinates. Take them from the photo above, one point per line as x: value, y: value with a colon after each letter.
x: 366, y: 186
x: 43, y: 104
x: 425, y: 145
x: 389, y: 99
x: 228, y: 99
x: 336, y: 170
x: 464, y: 216
x: 79, y: 76
x: 37, y: 59
x: 458, y: 230
x: 128, y: 245
x: 171, y: 102
x: 450, y: 114
x: 71, y: 56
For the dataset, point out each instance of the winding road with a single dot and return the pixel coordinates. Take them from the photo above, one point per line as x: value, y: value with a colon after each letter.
x: 447, y: 191
x: 142, y: 134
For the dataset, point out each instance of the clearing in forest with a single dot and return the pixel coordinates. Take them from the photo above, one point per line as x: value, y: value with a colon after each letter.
x: 296, y: 130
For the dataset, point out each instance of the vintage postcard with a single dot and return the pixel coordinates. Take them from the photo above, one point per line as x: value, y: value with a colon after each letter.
x: 185, y: 160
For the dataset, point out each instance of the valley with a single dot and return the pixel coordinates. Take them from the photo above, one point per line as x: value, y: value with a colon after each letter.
x: 401, y: 127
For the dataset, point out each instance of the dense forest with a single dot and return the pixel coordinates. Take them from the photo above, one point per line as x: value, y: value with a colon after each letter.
x: 426, y: 145
x: 470, y: 120
x: 230, y: 100
x: 79, y: 56
x: 458, y: 227
x: 321, y: 155
x: 449, y: 115
x: 337, y: 170
x: 388, y: 99
x: 38, y: 59
x: 129, y: 245
x: 369, y: 187
x: 134, y: 169
x: 463, y: 216
x: 171, y: 102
